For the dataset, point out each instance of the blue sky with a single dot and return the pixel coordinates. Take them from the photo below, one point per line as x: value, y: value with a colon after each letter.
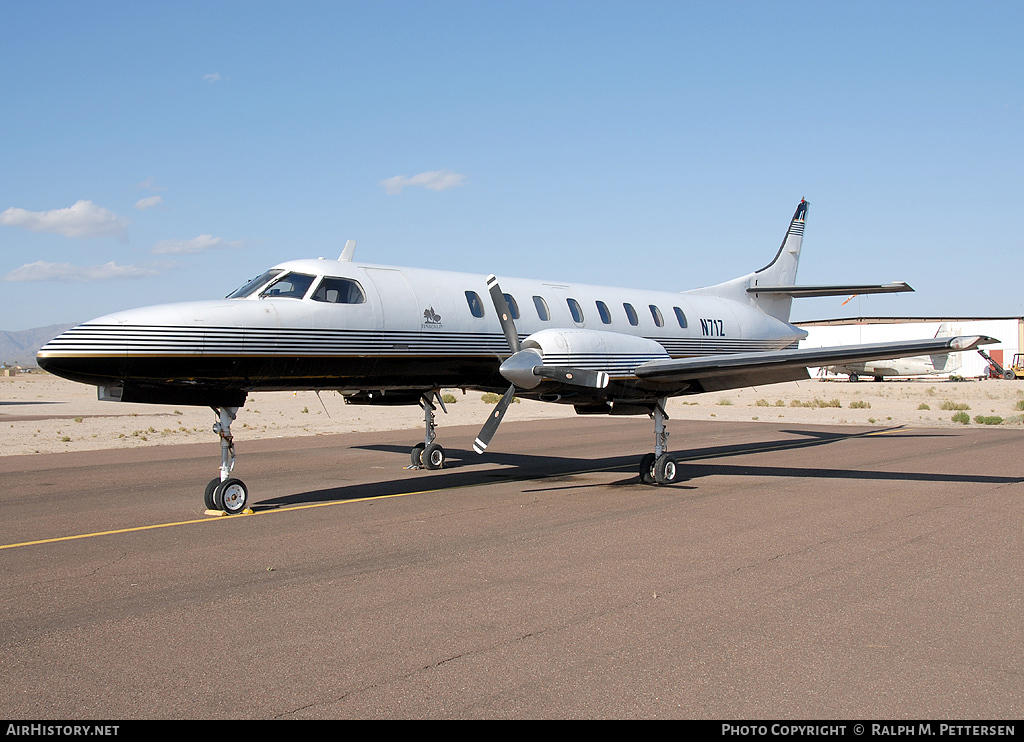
x: 155, y: 152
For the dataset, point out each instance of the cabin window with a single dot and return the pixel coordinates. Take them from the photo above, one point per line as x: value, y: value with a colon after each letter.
x: 680, y: 317
x: 658, y: 319
x: 513, y: 308
x: 289, y: 286
x: 339, y: 291
x: 542, y: 308
x: 631, y: 314
x: 602, y: 309
x: 476, y: 307
x: 256, y: 283
x: 575, y: 310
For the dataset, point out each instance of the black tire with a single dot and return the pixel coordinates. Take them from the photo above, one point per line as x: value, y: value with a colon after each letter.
x: 666, y: 470
x: 433, y: 457
x: 1009, y: 375
x: 231, y: 496
x: 878, y: 379
x: 854, y: 377
x: 417, y: 454
x: 208, y: 495
x: 647, y: 468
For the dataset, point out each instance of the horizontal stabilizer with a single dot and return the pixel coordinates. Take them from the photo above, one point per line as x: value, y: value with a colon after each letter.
x: 807, y: 291
x: 771, y: 365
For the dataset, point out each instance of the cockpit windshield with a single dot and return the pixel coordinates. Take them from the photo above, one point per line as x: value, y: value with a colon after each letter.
x: 243, y: 291
x: 289, y: 286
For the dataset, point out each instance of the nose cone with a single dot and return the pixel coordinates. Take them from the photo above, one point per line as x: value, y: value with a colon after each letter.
x: 91, y: 353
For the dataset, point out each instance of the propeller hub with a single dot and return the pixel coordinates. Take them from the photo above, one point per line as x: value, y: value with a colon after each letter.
x: 518, y: 368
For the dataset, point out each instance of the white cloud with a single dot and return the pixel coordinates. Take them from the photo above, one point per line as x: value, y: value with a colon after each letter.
x: 84, y: 219
x: 193, y: 246
x: 148, y: 203
x: 212, y: 77
x: 68, y: 273
x: 435, y: 180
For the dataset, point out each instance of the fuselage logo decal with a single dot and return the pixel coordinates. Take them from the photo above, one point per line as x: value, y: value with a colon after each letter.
x: 431, y: 319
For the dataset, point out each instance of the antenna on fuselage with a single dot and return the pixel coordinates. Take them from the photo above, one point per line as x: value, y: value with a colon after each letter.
x: 348, y: 252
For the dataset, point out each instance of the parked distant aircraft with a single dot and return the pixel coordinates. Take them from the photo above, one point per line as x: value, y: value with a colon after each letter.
x: 925, y: 365
x: 386, y: 335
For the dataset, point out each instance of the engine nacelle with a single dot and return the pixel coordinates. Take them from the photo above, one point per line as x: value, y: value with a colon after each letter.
x: 611, y: 352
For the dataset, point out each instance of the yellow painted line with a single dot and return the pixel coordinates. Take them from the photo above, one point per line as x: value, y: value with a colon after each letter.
x: 209, y: 519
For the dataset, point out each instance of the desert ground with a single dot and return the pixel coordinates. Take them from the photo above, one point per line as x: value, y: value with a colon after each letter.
x: 40, y: 413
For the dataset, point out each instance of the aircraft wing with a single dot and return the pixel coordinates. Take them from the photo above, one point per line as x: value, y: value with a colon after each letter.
x: 732, y: 371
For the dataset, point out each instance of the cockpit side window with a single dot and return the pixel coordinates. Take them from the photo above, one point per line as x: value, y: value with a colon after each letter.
x: 339, y: 291
x: 289, y: 286
x: 243, y: 291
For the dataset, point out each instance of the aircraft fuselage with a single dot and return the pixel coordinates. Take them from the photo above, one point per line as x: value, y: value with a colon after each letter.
x: 398, y: 329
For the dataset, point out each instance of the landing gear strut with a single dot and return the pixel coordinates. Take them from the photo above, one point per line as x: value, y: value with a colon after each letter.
x: 659, y: 467
x: 428, y: 455
x: 225, y: 493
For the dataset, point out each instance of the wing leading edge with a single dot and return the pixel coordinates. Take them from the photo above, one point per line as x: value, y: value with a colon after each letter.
x: 731, y: 371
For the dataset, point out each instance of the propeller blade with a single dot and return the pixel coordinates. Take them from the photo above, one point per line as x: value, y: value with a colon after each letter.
x: 504, y: 314
x: 574, y: 376
x: 487, y: 432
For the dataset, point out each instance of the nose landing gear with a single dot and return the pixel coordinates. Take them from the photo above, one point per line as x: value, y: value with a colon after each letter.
x: 226, y: 494
x: 659, y: 467
x: 428, y: 455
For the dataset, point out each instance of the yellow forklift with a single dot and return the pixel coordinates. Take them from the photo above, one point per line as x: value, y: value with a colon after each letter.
x: 1011, y: 372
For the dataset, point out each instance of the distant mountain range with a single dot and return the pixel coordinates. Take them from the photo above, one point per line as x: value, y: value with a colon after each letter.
x: 19, y: 348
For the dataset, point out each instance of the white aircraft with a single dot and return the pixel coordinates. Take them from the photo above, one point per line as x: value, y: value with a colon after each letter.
x: 385, y: 335
x: 925, y: 365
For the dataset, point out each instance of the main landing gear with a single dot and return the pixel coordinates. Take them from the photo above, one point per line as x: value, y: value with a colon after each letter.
x: 659, y: 467
x: 225, y: 493
x: 428, y: 455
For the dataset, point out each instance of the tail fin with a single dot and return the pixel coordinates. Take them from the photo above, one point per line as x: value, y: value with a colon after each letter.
x: 780, y: 272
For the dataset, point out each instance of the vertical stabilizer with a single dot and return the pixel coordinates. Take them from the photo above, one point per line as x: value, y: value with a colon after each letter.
x: 780, y: 272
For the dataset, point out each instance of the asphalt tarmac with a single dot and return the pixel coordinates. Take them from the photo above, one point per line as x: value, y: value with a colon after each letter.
x: 798, y: 572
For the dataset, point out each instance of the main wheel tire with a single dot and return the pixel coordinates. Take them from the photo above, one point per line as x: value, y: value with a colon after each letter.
x: 665, y: 469
x: 417, y: 454
x: 208, y: 495
x: 433, y: 456
x: 231, y: 496
x: 878, y: 379
x: 647, y: 468
x: 854, y: 377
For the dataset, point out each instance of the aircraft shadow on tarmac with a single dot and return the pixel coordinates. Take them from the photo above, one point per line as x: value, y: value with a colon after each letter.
x: 467, y: 469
